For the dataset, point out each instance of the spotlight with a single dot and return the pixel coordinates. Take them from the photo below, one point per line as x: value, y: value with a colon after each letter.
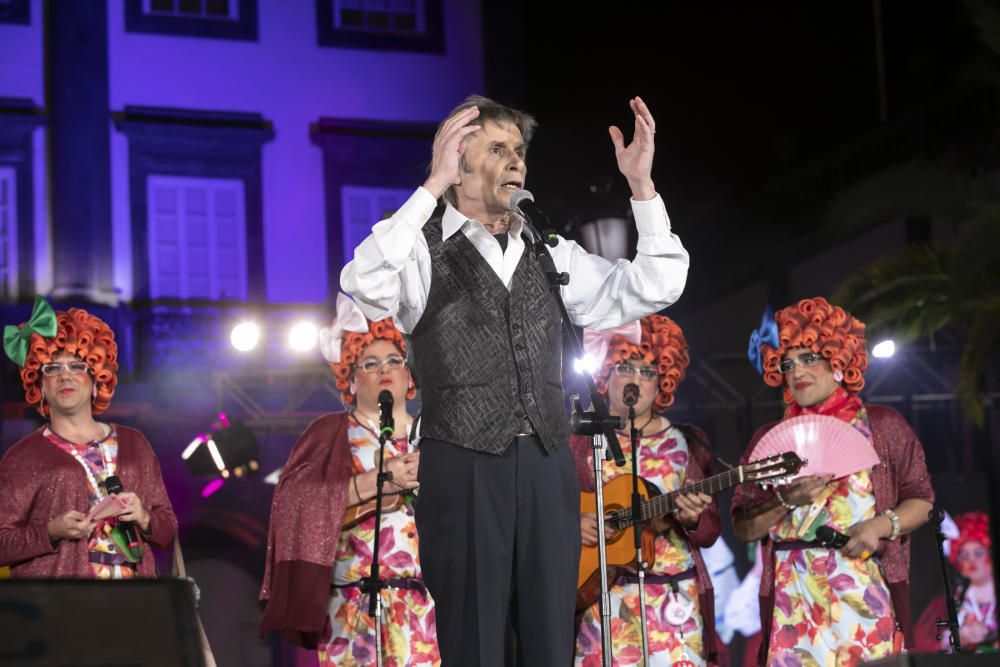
x: 585, y: 365
x: 245, y: 336
x: 884, y: 350
x: 229, y: 449
x: 302, y: 337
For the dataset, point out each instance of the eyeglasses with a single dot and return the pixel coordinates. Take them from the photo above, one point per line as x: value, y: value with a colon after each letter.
x: 628, y: 371
x: 972, y: 554
x: 373, y: 365
x: 805, y: 360
x: 72, y: 367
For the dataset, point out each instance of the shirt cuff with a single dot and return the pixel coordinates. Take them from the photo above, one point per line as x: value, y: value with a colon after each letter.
x: 651, y: 217
x: 418, y: 208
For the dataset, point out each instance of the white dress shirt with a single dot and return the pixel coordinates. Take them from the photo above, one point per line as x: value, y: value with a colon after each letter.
x: 390, y: 274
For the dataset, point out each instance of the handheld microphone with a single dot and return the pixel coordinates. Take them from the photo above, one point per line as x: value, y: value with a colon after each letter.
x: 630, y: 394
x: 831, y: 538
x: 386, y: 426
x: 114, y: 485
x: 936, y: 515
x: 524, y: 203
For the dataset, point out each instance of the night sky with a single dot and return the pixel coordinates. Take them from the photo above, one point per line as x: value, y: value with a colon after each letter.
x: 742, y: 93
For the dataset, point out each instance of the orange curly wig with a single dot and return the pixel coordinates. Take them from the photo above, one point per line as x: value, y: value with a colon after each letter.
x: 351, y: 347
x: 824, y: 328
x: 84, y: 336
x: 972, y: 527
x: 662, y: 345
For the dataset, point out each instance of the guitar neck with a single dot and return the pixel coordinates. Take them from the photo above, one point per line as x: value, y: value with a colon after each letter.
x: 666, y: 503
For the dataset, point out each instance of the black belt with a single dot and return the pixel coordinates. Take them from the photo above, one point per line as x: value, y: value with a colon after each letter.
x: 792, y: 545
x: 526, y: 429
x: 671, y: 579
x: 104, y: 558
x: 401, y: 583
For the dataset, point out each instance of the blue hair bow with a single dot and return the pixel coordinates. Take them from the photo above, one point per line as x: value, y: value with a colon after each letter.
x: 765, y: 334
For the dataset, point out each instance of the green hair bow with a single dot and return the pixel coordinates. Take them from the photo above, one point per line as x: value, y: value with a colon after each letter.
x: 42, y: 322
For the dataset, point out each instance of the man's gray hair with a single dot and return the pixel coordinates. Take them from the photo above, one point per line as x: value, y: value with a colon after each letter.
x: 495, y: 113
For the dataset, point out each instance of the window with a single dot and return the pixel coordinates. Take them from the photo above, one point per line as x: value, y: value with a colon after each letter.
x: 8, y: 234
x: 226, y: 10
x: 404, y: 17
x: 220, y: 19
x: 197, y: 238
x: 361, y: 208
x: 390, y: 25
x: 15, y: 11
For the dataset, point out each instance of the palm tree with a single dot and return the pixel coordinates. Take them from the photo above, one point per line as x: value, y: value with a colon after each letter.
x: 924, y: 289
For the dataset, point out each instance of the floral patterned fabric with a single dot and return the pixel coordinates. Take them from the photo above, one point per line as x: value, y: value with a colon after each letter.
x: 663, y: 460
x: 105, y: 561
x: 830, y: 610
x: 409, y: 636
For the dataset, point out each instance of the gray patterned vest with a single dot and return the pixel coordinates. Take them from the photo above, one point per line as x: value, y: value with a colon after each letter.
x: 485, y: 357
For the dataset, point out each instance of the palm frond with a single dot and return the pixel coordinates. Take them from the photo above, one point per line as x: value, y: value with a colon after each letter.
x: 911, y: 189
x: 976, y: 267
x: 983, y: 338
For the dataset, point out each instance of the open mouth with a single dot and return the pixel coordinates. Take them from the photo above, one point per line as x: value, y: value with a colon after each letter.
x: 512, y: 186
x: 801, y: 385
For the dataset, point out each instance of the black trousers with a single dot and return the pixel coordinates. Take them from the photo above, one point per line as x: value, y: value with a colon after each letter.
x: 499, y: 551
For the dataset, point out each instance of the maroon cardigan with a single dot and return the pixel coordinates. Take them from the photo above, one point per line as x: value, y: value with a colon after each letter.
x: 699, y: 466
x: 40, y: 481
x: 901, y: 475
x: 304, y: 531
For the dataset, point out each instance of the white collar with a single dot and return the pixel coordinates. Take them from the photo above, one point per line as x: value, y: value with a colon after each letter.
x: 453, y: 220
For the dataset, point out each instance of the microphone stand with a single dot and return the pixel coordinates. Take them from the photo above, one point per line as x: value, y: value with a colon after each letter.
x: 373, y: 584
x: 937, y: 516
x: 637, y: 529
x: 596, y: 423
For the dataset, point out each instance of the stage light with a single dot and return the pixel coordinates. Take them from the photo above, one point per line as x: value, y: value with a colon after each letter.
x: 585, y: 365
x: 230, y: 449
x: 302, y: 337
x: 884, y: 349
x: 245, y: 336
x: 212, y: 487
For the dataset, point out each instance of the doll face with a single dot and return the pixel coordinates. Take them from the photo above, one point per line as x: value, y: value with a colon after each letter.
x: 975, y: 562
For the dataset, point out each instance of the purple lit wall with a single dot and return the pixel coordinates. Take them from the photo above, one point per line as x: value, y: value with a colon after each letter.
x: 289, y: 80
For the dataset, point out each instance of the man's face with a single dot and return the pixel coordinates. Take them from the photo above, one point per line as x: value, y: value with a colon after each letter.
x: 811, y: 384
x: 68, y: 393
x: 493, y: 169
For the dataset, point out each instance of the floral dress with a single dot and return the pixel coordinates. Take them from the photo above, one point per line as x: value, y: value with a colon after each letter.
x: 99, y: 460
x: 408, y: 631
x: 662, y: 461
x: 829, y: 610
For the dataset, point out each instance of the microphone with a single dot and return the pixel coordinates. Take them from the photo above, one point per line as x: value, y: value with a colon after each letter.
x: 385, y: 423
x: 630, y: 394
x: 524, y: 203
x: 831, y: 538
x: 936, y: 515
x: 114, y: 485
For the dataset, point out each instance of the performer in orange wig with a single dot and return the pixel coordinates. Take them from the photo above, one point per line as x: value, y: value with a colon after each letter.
x: 652, y: 355
x: 61, y: 515
x: 836, y: 606
x: 316, y: 554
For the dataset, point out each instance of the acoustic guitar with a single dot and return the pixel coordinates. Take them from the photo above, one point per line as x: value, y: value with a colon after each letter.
x: 774, y: 470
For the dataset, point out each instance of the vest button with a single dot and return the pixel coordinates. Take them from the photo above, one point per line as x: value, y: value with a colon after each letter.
x: 519, y: 346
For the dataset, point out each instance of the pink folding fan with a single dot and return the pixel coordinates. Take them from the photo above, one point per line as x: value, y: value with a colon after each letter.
x: 829, y: 445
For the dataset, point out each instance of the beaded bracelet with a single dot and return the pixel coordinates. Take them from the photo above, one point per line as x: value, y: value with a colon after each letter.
x: 786, y: 505
x: 894, y: 520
